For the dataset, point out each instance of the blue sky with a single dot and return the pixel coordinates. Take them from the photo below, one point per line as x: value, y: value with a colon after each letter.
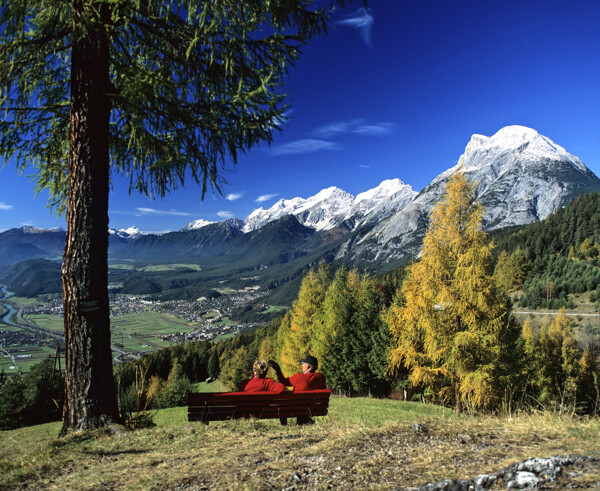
x: 392, y: 92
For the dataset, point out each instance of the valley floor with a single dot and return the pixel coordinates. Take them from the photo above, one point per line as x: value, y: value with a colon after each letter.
x: 363, y: 444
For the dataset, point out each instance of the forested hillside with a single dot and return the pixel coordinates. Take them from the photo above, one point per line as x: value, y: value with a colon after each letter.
x: 440, y: 330
x: 33, y: 277
x: 553, y: 258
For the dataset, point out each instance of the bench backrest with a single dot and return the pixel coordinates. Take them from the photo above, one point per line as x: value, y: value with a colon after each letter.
x: 217, y: 406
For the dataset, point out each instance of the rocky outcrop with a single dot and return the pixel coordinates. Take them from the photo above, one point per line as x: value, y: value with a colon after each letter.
x: 530, y: 474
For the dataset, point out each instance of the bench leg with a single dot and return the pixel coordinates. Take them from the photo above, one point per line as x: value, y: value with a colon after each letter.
x: 283, y: 421
x: 305, y: 420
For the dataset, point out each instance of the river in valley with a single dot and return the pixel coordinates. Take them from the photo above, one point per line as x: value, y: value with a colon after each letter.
x: 6, y: 318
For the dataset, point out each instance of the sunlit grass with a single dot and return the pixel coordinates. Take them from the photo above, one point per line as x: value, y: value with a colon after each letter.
x: 362, y: 443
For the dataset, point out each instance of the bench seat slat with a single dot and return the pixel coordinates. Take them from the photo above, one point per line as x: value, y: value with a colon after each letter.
x: 219, y: 406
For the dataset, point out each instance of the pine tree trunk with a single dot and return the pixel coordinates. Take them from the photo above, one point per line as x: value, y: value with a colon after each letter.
x: 90, y: 397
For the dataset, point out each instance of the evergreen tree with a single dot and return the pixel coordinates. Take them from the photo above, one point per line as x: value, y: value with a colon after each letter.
x: 588, y: 385
x: 283, y: 333
x: 503, y: 273
x: 157, y: 91
x: 12, y: 403
x: 365, y: 325
x: 305, y: 319
x: 175, y: 391
x: 554, y: 364
x: 43, y: 391
x: 452, y: 324
x: 337, y: 314
x: 235, y: 367
x: 343, y: 308
x: 266, y: 349
x: 213, y: 365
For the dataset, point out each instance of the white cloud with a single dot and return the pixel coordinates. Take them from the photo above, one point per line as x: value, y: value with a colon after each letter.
x: 152, y: 211
x: 266, y: 197
x: 361, y: 20
x: 337, y: 128
x: 225, y: 214
x: 233, y: 196
x: 376, y: 129
x: 365, y: 166
x: 308, y: 145
x: 5, y: 207
x: 355, y: 126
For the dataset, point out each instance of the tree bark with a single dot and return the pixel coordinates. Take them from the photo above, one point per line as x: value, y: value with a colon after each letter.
x: 90, y: 396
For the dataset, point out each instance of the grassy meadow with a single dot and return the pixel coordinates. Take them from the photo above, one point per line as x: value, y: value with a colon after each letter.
x: 362, y: 444
x: 34, y: 355
x: 138, y: 331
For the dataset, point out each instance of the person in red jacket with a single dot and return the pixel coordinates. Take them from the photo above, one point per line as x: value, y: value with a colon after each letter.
x: 259, y: 383
x: 309, y: 379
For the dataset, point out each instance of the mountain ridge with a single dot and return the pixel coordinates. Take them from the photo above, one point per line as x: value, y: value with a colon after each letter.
x: 521, y: 176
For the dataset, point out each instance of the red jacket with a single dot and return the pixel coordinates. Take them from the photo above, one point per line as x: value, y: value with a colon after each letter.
x: 307, y: 381
x: 261, y: 385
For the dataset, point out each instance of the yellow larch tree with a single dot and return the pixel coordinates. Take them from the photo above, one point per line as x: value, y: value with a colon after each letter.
x: 305, y: 317
x: 450, y: 325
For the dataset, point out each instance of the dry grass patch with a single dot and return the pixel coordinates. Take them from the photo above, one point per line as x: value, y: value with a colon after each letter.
x: 363, y: 444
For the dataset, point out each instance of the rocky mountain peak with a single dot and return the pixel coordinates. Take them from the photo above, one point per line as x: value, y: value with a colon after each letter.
x: 521, y: 177
x: 522, y: 142
x: 194, y: 225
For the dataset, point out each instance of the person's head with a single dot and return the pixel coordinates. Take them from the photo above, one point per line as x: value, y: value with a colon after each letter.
x: 260, y: 368
x: 309, y: 363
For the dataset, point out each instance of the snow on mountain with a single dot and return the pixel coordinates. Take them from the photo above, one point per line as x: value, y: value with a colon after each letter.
x: 129, y: 233
x: 322, y: 211
x: 332, y: 207
x: 381, y: 202
x: 196, y: 224
x: 521, y: 177
x: 28, y: 229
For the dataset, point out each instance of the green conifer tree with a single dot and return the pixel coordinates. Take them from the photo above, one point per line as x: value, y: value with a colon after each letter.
x: 161, y: 92
x: 336, y: 314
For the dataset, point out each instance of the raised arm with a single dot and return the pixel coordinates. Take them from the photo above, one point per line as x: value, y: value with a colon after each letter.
x: 280, y: 377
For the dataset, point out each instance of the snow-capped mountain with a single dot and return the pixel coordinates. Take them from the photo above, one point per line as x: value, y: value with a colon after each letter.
x: 372, y: 206
x: 521, y: 177
x: 195, y: 225
x: 333, y: 207
x: 321, y: 211
x: 130, y: 233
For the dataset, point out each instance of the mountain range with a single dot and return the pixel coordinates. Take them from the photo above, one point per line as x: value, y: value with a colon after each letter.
x: 521, y: 177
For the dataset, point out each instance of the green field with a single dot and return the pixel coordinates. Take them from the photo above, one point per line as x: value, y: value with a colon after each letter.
x: 48, y: 321
x: 6, y: 327
x: 222, y: 337
x: 140, y: 331
x: 274, y: 308
x: 136, y: 332
x: 37, y: 353
x: 25, y: 301
x: 155, y: 267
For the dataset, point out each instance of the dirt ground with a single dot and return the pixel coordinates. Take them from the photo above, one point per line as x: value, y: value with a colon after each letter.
x: 395, y: 459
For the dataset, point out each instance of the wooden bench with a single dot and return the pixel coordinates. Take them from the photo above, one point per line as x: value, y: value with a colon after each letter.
x: 219, y: 406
